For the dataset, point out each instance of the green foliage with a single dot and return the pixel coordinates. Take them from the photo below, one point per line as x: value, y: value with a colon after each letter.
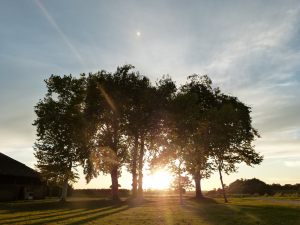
x: 232, y: 134
x: 256, y: 186
x: 107, y: 108
x: 107, y: 120
x: 190, y: 110
x: 249, y: 186
x: 183, y: 182
x: 59, y: 123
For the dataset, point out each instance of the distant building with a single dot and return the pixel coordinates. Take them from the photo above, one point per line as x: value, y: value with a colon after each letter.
x: 18, y: 181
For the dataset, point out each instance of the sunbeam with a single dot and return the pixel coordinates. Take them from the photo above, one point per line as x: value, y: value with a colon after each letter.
x: 107, y: 98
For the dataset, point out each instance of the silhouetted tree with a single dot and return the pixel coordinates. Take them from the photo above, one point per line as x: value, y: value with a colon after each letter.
x: 108, y: 120
x: 143, y: 121
x: 152, y: 115
x: 138, y: 113
x: 190, y: 111
x: 231, y: 135
x: 59, y: 123
x: 249, y: 186
x: 105, y: 112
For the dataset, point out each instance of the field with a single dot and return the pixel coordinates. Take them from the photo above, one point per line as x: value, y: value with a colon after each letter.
x: 159, y: 209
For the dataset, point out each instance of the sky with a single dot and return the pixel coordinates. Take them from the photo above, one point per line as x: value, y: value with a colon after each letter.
x: 250, y: 49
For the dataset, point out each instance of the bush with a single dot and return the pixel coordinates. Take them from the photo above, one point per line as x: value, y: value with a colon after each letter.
x: 252, y: 186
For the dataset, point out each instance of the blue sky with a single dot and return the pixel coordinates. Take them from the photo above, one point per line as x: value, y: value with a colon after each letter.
x: 250, y: 49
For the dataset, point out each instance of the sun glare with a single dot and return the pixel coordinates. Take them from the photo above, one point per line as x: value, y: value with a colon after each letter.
x: 158, y: 180
x: 138, y: 33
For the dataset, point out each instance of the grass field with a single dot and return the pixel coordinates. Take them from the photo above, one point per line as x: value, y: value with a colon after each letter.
x: 154, y: 210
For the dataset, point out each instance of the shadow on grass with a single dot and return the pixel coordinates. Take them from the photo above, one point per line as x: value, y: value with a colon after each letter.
x: 41, y: 205
x: 272, y: 214
x: 97, y: 216
x: 42, y: 212
x: 207, y: 210
x: 203, y: 200
x: 81, y: 218
x: 135, y: 202
x: 33, y: 214
x: 216, y: 213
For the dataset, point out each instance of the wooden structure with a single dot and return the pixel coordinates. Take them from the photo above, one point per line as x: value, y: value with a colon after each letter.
x: 18, y: 181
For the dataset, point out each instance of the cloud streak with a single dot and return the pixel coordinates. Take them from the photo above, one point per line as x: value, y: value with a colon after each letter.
x: 59, y: 31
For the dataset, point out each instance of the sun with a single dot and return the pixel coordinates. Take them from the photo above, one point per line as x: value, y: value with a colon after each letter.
x: 161, y: 179
x: 138, y: 33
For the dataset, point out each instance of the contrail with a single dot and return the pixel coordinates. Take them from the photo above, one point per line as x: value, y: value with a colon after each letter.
x: 60, y: 32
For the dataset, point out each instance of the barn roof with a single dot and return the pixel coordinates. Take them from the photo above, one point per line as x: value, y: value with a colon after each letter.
x: 11, y: 167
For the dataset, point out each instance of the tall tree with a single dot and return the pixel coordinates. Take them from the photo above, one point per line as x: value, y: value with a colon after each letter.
x: 106, y: 111
x: 189, y: 111
x: 59, y: 123
x: 231, y: 136
x: 138, y: 93
x: 147, y: 119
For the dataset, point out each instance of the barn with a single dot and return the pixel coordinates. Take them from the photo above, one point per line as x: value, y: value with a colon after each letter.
x: 18, y: 181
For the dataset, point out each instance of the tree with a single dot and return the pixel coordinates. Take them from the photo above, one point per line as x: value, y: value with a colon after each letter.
x: 249, y: 186
x: 139, y: 109
x: 149, y: 117
x: 231, y: 136
x: 105, y: 113
x: 140, y: 124
x: 122, y: 114
x: 59, y: 123
x: 182, y: 183
x: 190, y: 114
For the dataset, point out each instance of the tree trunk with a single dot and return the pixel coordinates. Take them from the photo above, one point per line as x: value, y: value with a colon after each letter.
x: 179, y: 184
x: 197, y: 179
x: 114, y: 171
x: 134, y: 167
x: 180, y: 190
x: 114, y: 183
x: 223, y: 186
x: 64, y: 191
x: 141, y: 165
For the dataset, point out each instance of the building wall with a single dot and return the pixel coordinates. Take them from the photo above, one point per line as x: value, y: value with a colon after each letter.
x: 18, y: 188
x: 9, y: 192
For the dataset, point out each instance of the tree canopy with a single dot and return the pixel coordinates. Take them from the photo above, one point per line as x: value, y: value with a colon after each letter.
x: 104, y: 121
x: 59, y: 122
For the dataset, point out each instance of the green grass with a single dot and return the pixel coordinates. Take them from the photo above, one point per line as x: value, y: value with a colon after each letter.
x: 154, y: 210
